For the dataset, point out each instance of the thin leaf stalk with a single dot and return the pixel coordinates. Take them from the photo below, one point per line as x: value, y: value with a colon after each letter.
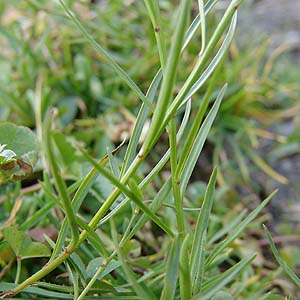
x: 176, y: 180
x: 19, y: 268
x: 59, y: 183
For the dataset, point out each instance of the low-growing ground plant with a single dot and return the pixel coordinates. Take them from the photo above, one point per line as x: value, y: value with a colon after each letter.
x: 119, y: 226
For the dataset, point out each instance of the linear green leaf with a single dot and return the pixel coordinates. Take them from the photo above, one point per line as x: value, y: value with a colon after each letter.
x: 225, y: 278
x: 185, y: 271
x: 200, y: 140
x: 140, y: 122
x: 196, y: 23
x: 168, y: 82
x: 141, y: 290
x: 203, y: 25
x: 108, y: 58
x: 172, y: 270
x: 227, y: 228
x: 215, y: 61
x: 192, y: 133
x: 287, y: 270
x: 128, y: 193
x: 59, y: 183
x: 236, y: 232
x: 198, y: 254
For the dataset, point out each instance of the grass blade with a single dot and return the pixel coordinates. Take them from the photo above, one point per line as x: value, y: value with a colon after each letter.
x: 225, y: 278
x: 168, y: 82
x: 228, y: 16
x: 185, y: 271
x: 198, y: 254
x: 104, y: 54
x: 197, y: 121
x: 59, y: 183
x: 140, y: 289
x: 77, y: 200
x: 287, y: 270
x: 128, y: 193
x: 172, y: 268
x: 215, y: 61
x: 196, y: 23
x: 140, y: 122
x: 200, y: 140
x: 239, y: 229
x: 227, y: 228
x: 203, y: 25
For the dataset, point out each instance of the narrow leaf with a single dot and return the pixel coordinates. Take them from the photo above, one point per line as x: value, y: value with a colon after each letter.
x: 107, y: 57
x: 128, y: 193
x: 224, y: 230
x: 185, y: 271
x: 140, y: 289
x: 200, y: 140
x: 198, y: 251
x: 172, y: 270
x: 287, y: 270
x: 236, y: 232
x: 225, y: 278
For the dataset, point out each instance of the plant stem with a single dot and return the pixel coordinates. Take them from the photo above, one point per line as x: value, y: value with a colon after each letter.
x: 60, y: 184
x: 199, y: 64
x: 153, y: 9
x: 175, y: 179
x: 19, y: 267
x: 42, y: 273
x: 166, y: 91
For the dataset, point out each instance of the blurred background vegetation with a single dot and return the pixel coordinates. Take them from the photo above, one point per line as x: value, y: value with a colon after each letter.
x: 255, y: 139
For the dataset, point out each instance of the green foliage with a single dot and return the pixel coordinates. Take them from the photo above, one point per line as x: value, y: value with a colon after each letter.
x: 20, y: 157
x: 22, y: 244
x: 132, y: 223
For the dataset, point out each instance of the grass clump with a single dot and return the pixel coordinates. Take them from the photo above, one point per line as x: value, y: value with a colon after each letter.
x: 126, y: 228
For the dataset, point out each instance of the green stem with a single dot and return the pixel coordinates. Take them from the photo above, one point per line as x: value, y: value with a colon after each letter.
x: 19, y: 267
x: 203, y: 25
x: 93, y: 279
x: 166, y: 91
x: 153, y: 10
x: 200, y: 64
x: 60, y: 184
x: 175, y: 179
x: 43, y: 272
